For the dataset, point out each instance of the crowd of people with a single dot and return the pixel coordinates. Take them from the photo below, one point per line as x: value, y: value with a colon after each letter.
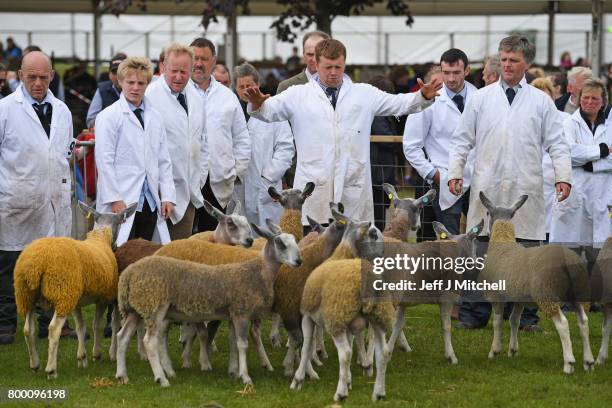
x: 199, y: 131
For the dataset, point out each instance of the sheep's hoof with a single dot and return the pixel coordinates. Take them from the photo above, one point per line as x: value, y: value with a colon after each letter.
x: 568, y: 368
x: 96, y: 357
x: 246, y: 380
x: 186, y: 364
x: 288, y: 372
x: 276, y: 341
x: 339, y: 397
x: 232, y: 373
x: 312, y: 374
x: 170, y: 373
x: 601, y: 360
x: 494, y: 353
x: 163, y: 382
x: 268, y: 367
x: 322, y: 353
x: 296, y: 384
x: 35, y: 368
x: 205, y: 367
x: 122, y: 379
x: 512, y: 352
x: 452, y: 360
x: 368, y: 370
x: 378, y: 397
x: 51, y: 375
x: 82, y: 362
x: 589, y: 365
x: 112, y: 357
x: 404, y: 347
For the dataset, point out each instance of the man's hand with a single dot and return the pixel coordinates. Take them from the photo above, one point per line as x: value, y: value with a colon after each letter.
x: 255, y: 97
x: 118, y: 206
x: 436, y: 178
x: 166, y: 209
x: 429, y: 90
x: 456, y: 186
x: 563, y: 191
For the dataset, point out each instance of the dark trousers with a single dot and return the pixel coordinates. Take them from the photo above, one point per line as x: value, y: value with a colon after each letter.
x: 451, y: 217
x: 477, y: 313
x: 8, y: 309
x: 144, y: 223
x: 204, y: 221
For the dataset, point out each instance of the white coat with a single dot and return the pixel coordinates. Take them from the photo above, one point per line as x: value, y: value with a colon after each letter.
x: 508, y: 162
x: 229, y: 145
x: 34, y: 172
x: 582, y: 219
x: 186, y: 140
x: 333, y: 146
x: 271, y: 154
x: 125, y: 155
x: 432, y: 130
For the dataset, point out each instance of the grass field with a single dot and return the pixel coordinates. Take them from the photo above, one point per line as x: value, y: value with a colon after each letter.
x: 421, y: 378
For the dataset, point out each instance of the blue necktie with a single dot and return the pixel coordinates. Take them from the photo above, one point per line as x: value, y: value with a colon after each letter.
x: 510, y: 93
x: 331, y: 94
x: 183, y: 102
x: 458, y: 99
x: 138, y: 113
x: 44, y: 115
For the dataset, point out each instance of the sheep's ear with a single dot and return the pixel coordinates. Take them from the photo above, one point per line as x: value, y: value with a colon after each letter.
x: 341, y: 218
x: 274, y: 194
x: 486, y: 202
x: 275, y: 229
x: 362, y: 229
x: 214, y: 212
x: 519, y: 203
x: 373, y: 232
x: 237, y: 208
x: 314, y: 225
x: 441, y: 231
x: 261, y: 232
x: 474, y: 231
x: 230, y: 207
x: 87, y: 210
x: 426, y: 198
x: 391, y: 192
x: 308, y: 189
x: 336, y: 206
x: 130, y: 209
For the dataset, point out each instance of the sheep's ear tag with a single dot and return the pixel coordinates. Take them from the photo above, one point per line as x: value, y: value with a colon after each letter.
x: 88, y: 216
x: 610, y: 215
x: 443, y: 235
x: 474, y: 230
x: 391, y: 197
x: 342, y: 222
x: 425, y: 200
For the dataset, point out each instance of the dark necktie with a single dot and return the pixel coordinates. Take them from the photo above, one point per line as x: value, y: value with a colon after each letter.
x: 183, y: 102
x: 44, y: 116
x: 331, y: 95
x: 510, y: 93
x: 138, y: 113
x: 458, y: 99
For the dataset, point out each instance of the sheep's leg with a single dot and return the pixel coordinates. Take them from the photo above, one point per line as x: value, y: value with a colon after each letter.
x: 605, y: 333
x: 241, y: 327
x: 349, y: 375
x: 212, y: 328
x: 152, y: 340
x: 566, y: 343
x: 308, y: 327
x: 188, y: 332
x: 264, y: 361
x: 130, y: 325
x: 164, y: 356
x: 321, y: 351
x: 362, y: 354
x: 344, y: 359
x: 498, y: 320
x: 445, y: 319
x: 515, y: 320
x: 370, y: 353
x: 403, y: 343
x: 398, y: 325
x: 98, y: 331
x: 294, y: 339
x: 583, y: 325
x: 115, y: 327
x: 381, y: 362
x: 55, y: 329
x: 275, y: 337
x: 232, y: 369
x: 80, y: 331
x: 204, y: 357
x: 142, y: 352
x: 29, y: 331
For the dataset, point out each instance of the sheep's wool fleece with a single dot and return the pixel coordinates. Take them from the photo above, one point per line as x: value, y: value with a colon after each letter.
x: 204, y: 236
x: 205, y: 252
x: 290, y: 223
x: 237, y: 290
x: 602, y: 274
x: 63, y: 270
x: 133, y: 250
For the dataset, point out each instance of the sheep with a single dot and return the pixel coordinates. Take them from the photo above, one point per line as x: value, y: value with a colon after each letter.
x: 546, y: 275
x: 160, y: 288
x: 601, y: 284
x: 449, y: 247
x: 332, y: 299
x: 65, y: 274
x: 232, y: 228
x: 404, y: 219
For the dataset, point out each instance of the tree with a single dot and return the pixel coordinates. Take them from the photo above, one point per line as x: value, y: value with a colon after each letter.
x: 299, y: 14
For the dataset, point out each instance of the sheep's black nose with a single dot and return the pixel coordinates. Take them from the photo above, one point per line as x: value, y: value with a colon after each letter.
x: 298, y: 262
x: 249, y: 242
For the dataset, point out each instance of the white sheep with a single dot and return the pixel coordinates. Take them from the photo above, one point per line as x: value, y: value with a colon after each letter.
x: 601, y: 285
x: 66, y: 274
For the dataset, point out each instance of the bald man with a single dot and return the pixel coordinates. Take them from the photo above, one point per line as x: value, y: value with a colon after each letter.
x: 35, y: 148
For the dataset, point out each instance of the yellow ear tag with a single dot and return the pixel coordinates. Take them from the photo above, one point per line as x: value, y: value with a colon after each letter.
x: 342, y: 222
x: 610, y: 215
x: 443, y: 235
x: 390, y: 196
x: 88, y: 215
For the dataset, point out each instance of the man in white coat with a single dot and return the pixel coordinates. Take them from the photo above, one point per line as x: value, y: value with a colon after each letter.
x: 331, y: 118
x: 427, y: 138
x: 271, y: 154
x: 228, y: 141
x: 132, y: 157
x: 509, y: 124
x: 35, y: 145
x: 184, y: 118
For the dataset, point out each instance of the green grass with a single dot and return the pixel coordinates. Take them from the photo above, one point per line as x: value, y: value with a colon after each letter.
x: 418, y: 379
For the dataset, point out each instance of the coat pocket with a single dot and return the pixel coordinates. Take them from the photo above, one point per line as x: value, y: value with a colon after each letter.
x: 22, y: 193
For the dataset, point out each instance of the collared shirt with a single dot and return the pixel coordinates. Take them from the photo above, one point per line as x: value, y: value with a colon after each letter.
x: 599, y: 120
x: 570, y: 107
x: 145, y: 193
x: 309, y: 75
x: 96, y: 106
x: 33, y: 101
x: 516, y: 87
x: 462, y: 92
x: 324, y: 87
x: 202, y: 92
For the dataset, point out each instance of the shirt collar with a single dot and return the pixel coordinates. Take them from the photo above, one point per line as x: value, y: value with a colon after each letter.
x: 132, y: 107
x: 308, y: 74
x: 33, y: 101
x: 515, y: 87
x: 316, y: 77
x: 599, y: 120
x: 462, y: 92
